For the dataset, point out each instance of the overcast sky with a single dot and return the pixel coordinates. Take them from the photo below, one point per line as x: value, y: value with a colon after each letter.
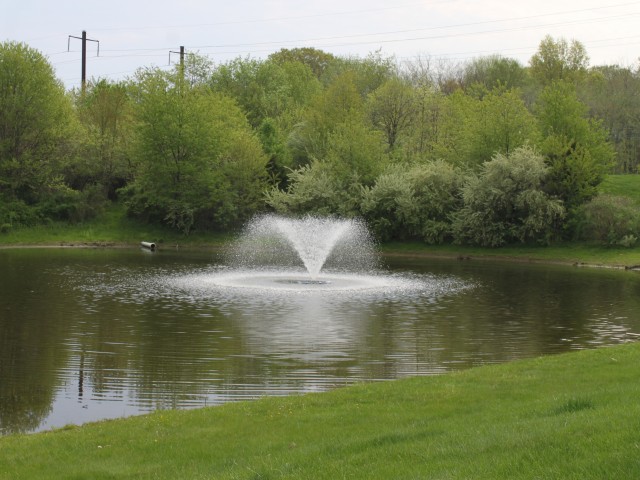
x: 138, y: 33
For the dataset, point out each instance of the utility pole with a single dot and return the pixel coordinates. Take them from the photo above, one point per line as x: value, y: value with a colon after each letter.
x: 181, y: 68
x: 181, y: 52
x: 84, y: 39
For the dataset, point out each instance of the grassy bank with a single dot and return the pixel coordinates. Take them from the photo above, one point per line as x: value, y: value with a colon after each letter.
x: 111, y: 228
x: 114, y: 228
x: 568, y: 416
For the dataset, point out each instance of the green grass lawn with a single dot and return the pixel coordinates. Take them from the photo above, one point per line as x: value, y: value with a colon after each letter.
x: 111, y: 228
x: 570, y: 416
x: 623, y: 186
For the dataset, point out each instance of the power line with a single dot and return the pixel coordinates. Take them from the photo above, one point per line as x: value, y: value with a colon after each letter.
x: 379, y: 38
x: 276, y: 19
x: 398, y: 40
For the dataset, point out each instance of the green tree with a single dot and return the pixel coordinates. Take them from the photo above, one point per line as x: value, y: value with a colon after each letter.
x: 367, y: 74
x: 611, y: 92
x: 199, y: 165
x: 106, y: 116
x: 609, y: 220
x: 197, y: 69
x: 340, y: 103
x: 575, y: 146
x: 440, y: 126
x: 494, y: 71
x: 559, y: 60
x: 238, y: 79
x: 500, y: 124
x: 426, y: 127
x: 36, y: 121
x: 391, y: 108
x: 355, y: 151
x: 266, y: 89
x: 317, y: 60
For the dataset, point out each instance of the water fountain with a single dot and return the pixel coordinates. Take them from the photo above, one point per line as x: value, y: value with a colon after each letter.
x: 307, y: 254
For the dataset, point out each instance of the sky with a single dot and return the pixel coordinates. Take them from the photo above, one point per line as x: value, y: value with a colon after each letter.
x: 133, y: 34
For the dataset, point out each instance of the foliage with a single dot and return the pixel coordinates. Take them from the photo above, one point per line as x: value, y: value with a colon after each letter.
x: 575, y: 146
x: 413, y: 202
x: 368, y: 73
x: 559, y: 60
x: 494, y: 71
x: 611, y: 92
x: 316, y: 60
x: 198, y: 163
x: 314, y: 189
x: 501, y: 124
x: 609, y: 220
x: 353, y: 150
x: 391, y: 109
x: 387, y: 204
x: 441, y: 127
x: 36, y: 121
x: 265, y: 89
x: 505, y: 203
x: 106, y: 115
x: 196, y: 147
x: 339, y: 104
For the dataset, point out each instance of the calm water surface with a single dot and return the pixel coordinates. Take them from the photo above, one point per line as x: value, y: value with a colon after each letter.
x: 93, y: 334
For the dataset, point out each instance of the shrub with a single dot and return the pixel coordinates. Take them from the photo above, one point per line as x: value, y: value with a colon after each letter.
x: 609, y: 220
x: 506, y: 203
x: 413, y: 202
x: 16, y: 212
x: 315, y: 189
x: 387, y: 204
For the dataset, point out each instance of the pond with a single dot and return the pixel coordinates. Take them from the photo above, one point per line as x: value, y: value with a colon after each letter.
x: 90, y: 334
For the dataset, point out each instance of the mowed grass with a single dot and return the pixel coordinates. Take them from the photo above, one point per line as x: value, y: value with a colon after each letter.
x: 570, y: 416
x: 111, y: 228
x: 622, y: 186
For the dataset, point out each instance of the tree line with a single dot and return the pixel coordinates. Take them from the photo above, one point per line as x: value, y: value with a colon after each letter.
x: 486, y: 152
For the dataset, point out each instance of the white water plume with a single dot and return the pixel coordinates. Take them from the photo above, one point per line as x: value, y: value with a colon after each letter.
x: 274, y: 241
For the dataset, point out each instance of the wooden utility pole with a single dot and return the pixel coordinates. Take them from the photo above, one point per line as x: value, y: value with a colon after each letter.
x: 181, y: 52
x: 83, y: 75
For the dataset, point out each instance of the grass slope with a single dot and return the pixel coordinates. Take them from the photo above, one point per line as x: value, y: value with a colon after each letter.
x: 571, y: 416
x: 623, y: 186
x: 110, y: 228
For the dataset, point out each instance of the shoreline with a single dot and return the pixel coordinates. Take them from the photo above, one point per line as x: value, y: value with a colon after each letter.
x: 513, y: 259
x: 463, y: 254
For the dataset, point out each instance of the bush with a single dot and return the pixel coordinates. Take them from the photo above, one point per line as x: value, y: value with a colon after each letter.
x: 387, y: 205
x: 316, y: 190
x: 16, y: 212
x: 609, y: 220
x: 413, y: 202
x: 506, y: 203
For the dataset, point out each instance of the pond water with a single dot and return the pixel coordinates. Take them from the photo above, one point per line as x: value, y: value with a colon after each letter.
x: 89, y: 334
